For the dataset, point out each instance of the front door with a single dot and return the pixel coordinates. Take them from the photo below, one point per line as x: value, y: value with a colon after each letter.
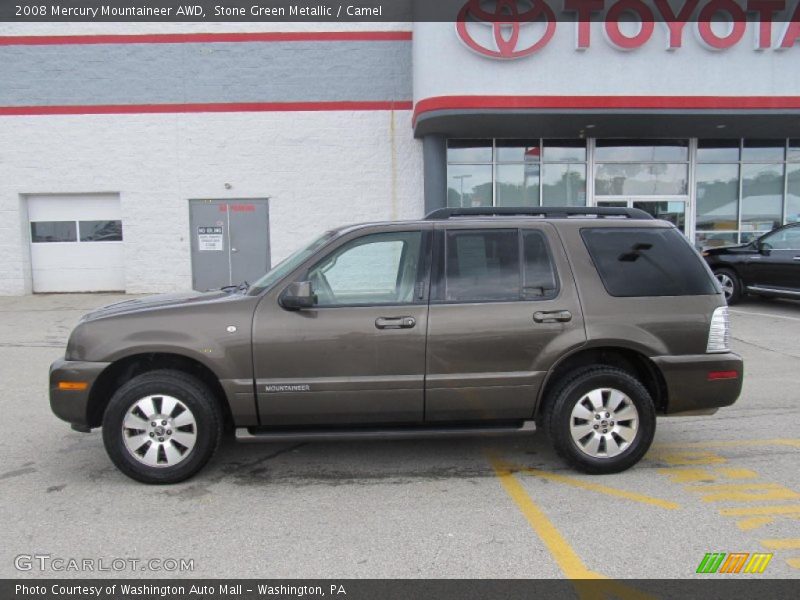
x: 230, y: 242
x: 778, y: 264
x: 503, y: 309
x: 358, y: 356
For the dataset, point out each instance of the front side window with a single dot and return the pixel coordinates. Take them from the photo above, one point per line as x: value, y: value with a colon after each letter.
x: 647, y: 262
x: 374, y: 269
x: 785, y: 239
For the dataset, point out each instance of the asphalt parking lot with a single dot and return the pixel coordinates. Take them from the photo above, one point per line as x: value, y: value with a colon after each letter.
x: 504, y: 508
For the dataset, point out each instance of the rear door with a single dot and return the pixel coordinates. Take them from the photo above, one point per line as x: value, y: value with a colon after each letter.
x: 503, y: 309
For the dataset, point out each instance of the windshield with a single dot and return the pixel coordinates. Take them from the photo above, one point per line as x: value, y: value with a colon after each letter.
x: 290, y: 263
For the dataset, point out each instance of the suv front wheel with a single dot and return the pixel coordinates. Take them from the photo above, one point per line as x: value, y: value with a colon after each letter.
x: 601, y: 420
x: 162, y: 427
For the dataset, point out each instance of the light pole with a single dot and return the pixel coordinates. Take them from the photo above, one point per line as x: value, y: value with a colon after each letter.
x: 461, y: 179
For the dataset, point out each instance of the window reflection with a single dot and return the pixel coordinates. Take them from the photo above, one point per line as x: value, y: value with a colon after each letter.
x: 762, y: 197
x: 564, y: 185
x: 469, y: 185
x: 641, y: 179
x: 518, y: 185
x: 717, y: 197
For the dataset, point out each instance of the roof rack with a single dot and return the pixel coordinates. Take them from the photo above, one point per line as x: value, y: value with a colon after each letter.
x: 549, y: 212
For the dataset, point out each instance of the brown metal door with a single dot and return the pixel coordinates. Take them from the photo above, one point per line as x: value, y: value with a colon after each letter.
x: 504, y: 308
x: 358, y: 356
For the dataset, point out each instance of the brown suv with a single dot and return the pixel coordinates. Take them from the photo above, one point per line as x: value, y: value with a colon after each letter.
x: 586, y: 321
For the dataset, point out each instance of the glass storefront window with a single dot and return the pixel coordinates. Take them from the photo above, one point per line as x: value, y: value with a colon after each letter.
x: 518, y: 150
x: 794, y: 150
x: 517, y: 185
x: 763, y: 150
x: 509, y: 172
x: 466, y: 151
x: 718, y: 150
x: 564, y: 151
x: 704, y: 239
x: 469, y: 185
x: 793, y: 193
x: 641, y: 179
x: 642, y: 150
x: 762, y: 197
x: 717, y: 197
x: 564, y: 184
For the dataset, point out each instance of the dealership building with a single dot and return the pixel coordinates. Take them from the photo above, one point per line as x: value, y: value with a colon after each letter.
x: 165, y: 157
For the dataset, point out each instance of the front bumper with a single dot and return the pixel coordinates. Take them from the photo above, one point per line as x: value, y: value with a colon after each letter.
x: 72, y: 405
x: 692, y: 388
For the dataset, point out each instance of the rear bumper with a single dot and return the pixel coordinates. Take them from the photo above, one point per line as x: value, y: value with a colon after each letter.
x: 701, y: 382
x: 72, y: 405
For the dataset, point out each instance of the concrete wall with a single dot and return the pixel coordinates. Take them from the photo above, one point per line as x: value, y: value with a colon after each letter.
x: 320, y: 168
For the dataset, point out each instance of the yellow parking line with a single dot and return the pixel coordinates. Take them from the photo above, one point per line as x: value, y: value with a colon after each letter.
x: 793, y: 562
x: 743, y: 492
x: 782, y: 544
x: 565, y: 556
x: 753, y: 523
x: 788, y: 509
x: 794, y: 443
x: 567, y: 559
x: 602, y: 489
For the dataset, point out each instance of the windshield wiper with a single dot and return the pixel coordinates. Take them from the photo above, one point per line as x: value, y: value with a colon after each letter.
x: 239, y: 287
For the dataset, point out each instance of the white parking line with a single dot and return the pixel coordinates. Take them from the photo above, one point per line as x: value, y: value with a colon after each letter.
x: 760, y: 314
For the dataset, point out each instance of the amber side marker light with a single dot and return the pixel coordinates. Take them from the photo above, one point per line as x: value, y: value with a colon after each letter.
x: 73, y: 385
x: 715, y: 375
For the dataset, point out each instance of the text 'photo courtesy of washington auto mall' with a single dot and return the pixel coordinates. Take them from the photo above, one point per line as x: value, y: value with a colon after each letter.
x: 400, y: 299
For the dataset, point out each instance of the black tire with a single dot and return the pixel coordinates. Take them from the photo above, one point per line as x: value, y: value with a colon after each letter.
x: 571, y: 390
x: 188, y: 390
x: 733, y: 291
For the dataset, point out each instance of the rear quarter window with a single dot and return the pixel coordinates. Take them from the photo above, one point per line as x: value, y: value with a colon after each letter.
x: 647, y: 262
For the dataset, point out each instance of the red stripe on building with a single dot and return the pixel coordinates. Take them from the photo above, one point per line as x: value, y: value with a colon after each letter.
x: 605, y: 102
x: 207, y: 38
x: 116, y: 109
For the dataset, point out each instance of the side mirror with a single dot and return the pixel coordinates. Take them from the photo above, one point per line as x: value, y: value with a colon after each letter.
x: 763, y: 247
x: 297, y: 296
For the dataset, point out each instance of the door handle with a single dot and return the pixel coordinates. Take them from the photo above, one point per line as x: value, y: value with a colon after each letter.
x: 552, y: 316
x: 796, y: 258
x: 395, y: 322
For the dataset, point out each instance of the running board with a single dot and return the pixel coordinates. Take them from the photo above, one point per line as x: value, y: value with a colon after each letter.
x: 759, y: 289
x: 253, y: 435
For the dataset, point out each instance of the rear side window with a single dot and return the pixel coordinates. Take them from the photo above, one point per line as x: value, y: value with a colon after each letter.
x: 647, y: 262
x: 482, y: 265
x: 498, y: 265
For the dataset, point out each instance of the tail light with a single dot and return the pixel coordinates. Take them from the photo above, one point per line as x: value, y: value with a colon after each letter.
x: 719, y: 334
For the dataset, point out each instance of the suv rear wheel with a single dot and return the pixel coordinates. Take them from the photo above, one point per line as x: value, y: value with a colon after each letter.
x: 601, y: 420
x: 162, y: 427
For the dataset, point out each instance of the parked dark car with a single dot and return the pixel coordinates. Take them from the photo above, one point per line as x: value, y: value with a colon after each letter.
x: 586, y: 322
x: 768, y: 266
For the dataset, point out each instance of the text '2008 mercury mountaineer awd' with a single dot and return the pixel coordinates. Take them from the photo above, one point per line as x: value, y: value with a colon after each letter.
x: 587, y: 322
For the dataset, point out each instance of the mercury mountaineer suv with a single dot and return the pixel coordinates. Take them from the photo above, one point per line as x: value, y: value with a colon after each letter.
x: 586, y: 322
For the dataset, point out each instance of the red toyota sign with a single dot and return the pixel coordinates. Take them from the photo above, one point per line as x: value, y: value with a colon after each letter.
x: 509, y: 29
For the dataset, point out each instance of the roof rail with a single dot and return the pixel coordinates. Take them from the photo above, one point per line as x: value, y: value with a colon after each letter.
x: 549, y: 212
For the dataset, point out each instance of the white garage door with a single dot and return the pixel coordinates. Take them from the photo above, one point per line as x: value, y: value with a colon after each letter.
x: 76, y: 243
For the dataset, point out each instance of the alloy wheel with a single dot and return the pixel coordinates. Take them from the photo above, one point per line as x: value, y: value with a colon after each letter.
x: 159, y: 431
x: 727, y: 284
x: 604, y: 422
